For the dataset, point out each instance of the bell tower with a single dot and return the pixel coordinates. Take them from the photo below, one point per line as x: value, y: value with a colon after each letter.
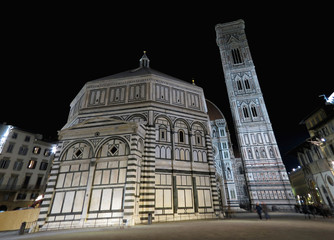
x: 266, y: 177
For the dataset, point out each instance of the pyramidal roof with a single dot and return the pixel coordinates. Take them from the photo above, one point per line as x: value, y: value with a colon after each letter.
x: 143, y: 69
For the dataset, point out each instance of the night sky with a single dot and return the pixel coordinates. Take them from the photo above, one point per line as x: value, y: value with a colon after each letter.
x: 49, y: 52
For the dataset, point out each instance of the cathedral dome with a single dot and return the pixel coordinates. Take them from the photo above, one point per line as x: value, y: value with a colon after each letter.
x: 213, y: 111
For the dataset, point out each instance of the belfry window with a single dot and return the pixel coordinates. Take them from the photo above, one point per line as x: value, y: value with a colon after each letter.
x: 254, y: 112
x: 237, y: 59
x: 239, y: 84
x: 245, y: 111
x: 247, y: 84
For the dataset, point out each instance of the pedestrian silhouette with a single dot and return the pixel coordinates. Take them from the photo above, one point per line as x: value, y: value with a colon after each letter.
x: 306, y: 211
x: 258, y: 209
x: 265, y: 210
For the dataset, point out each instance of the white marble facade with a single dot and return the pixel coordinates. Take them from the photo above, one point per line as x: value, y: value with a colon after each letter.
x: 266, y: 176
x: 136, y: 145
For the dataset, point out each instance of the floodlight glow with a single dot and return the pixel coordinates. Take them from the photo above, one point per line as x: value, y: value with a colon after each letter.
x: 40, y: 197
x: 4, y: 137
x: 330, y: 99
x: 54, y: 149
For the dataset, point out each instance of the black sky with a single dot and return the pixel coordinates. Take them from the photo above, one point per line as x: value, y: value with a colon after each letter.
x: 49, y: 52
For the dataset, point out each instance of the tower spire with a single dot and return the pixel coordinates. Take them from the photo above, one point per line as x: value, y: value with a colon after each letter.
x: 144, y: 61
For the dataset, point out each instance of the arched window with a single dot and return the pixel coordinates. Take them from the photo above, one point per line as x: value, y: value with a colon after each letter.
x: 214, y: 134
x: 254, y: 112
x: 237, y: 59
x: 162, y: 133
x: 245, y: 112
x: 247, y: 85
x: 181, y: 136
x: 239, y: 84
x: 198, y: 138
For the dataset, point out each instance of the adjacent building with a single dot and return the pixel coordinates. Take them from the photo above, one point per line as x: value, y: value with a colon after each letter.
x: 316, y: 158
x: 229, y: 168
x: 25, y: 163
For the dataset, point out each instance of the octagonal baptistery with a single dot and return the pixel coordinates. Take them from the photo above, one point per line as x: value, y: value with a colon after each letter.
x: 136, y: 148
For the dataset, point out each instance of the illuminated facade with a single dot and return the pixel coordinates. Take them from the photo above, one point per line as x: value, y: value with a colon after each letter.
x: 229, y: 170
x: 266, y: 177
x: 316, y: 157
x: 136, y: 148
x: 142, y: 145
x: 25, y: 162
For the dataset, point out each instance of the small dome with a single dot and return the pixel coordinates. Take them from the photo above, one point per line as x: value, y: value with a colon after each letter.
x: 213, y: 111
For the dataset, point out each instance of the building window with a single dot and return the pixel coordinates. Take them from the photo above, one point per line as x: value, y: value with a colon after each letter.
x: 198, y: 138
x: 26, y: 181
x: 78, y: 153
x: 18, y: 165
x: 12, y: 181
x: 162, y: 134
x: 43, y: 166
x: 254, y: 112
x: 23, y: 150
x: 245, y: 111
x: 38, y: 182
x: 309, y: 156
x: 226, y: 155
x: 10, y: 147
x: 36, y: 150
x: 222, y: 132
x: 21, y: 196
x: 32, y: 164
x: 332, y: 148
x: 113, y: 150
x: 2, y: 176
x: 237, y: 59
x: 239, y: 84
x: 247, y: 84
x: 33, y: 196
x: 47, y: 152
x: 14, y: 135
x: 181, y: 136
x: 4, y: 163
x: 27, y: 139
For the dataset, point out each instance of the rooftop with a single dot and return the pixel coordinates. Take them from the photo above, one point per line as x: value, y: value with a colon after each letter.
x: 143, y: 69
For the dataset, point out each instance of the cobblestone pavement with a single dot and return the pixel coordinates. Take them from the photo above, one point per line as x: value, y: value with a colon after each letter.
x: 282, y: 226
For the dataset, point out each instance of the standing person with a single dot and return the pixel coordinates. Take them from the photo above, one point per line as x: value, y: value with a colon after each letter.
x: 306, y: 211
x: 258, y: 209
x: 265, y: 210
